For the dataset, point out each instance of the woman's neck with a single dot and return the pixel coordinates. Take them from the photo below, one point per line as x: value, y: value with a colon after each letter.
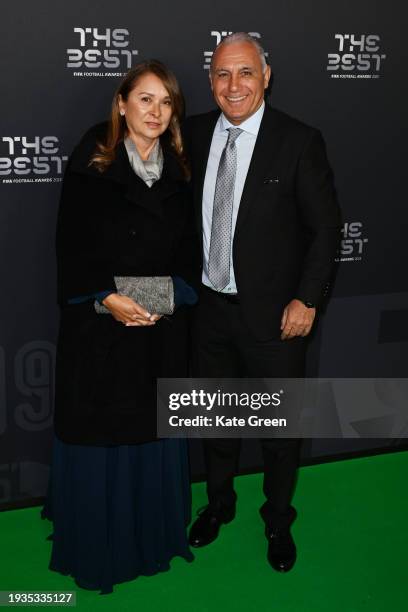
x: 144, y: 146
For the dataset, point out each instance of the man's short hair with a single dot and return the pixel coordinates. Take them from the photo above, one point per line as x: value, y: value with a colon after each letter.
x: 243, y: 37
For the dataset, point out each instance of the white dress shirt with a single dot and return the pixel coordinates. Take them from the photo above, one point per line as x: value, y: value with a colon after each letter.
x: 245, y: 144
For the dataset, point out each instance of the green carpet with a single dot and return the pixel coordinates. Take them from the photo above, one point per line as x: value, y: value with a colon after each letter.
x: 351, y: 535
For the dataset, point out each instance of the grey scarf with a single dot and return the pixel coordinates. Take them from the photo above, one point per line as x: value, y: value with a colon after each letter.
x: 150, y: 170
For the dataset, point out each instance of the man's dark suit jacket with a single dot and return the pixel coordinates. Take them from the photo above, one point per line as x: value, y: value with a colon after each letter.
x: 288, y: 225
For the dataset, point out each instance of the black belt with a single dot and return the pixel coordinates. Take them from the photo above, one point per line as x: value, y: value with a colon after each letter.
x: 232, y: 298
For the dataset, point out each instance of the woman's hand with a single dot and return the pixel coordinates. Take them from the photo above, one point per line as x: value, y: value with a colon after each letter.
x: 127, y: 311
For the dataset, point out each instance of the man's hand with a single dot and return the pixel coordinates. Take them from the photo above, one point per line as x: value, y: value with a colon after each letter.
x: 127, y: 311
x: 297, y: 320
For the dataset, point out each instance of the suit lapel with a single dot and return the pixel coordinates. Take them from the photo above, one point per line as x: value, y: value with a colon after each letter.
x: 266, y: 152
x: 201, y: 152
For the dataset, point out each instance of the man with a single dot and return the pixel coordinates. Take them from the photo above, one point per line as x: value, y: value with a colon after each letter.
x: 266, y: 208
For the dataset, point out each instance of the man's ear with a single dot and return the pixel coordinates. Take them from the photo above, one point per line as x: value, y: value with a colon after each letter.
x: 267, y: 76
x: 211, y: 81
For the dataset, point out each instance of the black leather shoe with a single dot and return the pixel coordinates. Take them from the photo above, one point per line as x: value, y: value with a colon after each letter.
x: 205, y: 529
x: 281, y: 549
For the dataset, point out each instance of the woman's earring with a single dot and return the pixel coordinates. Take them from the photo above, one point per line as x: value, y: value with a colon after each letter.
x: 122, y: 112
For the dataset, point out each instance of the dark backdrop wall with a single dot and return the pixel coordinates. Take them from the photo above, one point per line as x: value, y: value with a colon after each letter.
x: 338, y: 66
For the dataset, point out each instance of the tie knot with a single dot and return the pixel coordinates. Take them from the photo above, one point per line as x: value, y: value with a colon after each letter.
x: 233, y: 134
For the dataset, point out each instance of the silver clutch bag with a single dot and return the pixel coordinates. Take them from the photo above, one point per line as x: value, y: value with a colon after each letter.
x: 155, y: 293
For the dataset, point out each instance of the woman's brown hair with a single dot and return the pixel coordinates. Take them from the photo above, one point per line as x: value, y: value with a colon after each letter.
x: 105, y: 152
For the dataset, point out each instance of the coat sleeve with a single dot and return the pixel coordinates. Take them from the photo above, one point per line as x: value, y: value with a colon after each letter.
x: 321, y: 218
x: 82, y: 265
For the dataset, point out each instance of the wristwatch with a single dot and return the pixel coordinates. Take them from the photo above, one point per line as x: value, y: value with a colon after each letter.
x: 307, y: 303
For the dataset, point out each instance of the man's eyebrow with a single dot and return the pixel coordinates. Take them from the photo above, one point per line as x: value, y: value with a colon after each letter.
x: 220, y: 69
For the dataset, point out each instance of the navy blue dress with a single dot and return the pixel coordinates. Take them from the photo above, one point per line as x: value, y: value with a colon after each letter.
x: 118, y: 512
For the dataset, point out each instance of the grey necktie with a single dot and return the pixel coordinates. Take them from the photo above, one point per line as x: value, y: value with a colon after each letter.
x: 221, y: 225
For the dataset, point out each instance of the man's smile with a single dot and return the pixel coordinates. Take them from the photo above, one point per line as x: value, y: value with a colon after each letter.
x: 236, y: 99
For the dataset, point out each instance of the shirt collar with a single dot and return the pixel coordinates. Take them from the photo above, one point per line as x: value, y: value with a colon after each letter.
x: 250, y: 125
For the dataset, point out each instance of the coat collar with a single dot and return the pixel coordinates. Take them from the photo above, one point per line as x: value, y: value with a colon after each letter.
x: 205, y: 125
x: 121, y: 172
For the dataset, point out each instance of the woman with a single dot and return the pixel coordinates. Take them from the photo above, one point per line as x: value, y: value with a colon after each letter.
x: 119, y: 499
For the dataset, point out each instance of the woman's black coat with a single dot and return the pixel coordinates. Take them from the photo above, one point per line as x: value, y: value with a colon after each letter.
x: 112, y: 224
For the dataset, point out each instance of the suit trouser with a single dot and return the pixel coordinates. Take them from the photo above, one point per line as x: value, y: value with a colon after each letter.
x: 225, y: 347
